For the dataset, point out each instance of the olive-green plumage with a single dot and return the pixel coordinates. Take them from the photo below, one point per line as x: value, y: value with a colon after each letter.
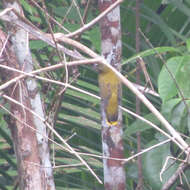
x: 109, y: 89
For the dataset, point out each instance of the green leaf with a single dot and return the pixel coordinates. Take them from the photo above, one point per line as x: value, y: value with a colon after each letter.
x: 27, y: 7
x: 188, y: 44
x: 153, y: 51
x: 156, y: 19
x: 140, y: 126
x: 168, y: 106
x: 35, y: 19
x: 37, y: 44
x: 175, y: 111
x: 183, y: 77
x: 62, y: 11
x: 179, y: 68
x: 72, y: 26
x: 153, y: 162
x: 95, y: 38
x: 166, y: 85
x: 182, y: 7
x: 178, y: 116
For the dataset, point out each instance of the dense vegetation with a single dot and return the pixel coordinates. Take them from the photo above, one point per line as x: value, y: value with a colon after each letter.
x: 164, y: 48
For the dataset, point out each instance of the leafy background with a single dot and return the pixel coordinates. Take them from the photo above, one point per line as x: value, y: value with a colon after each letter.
x: 79, y: 115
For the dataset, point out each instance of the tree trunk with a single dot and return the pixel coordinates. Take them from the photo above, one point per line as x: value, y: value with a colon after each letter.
x: 110, y: 91
x: 21, y: 126
x: 28, y: 131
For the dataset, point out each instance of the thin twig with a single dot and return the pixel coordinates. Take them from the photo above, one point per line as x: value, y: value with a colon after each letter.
x: 125, y: 160
x: 72, y: 151
x: 27, y: 125
x: 175, y: 134
x: 86, y: 10
x: 4, y: 45
x: 78, y: 10
x: 86, y: 154
x: 151, y: 124
x: 93, y: 22
x: 50, y: 17
x: 90, y: 94
x: 51, y: 30
x: 32, y: 29
x: 170, y: 73
x: 40, y: 35
x: 50, y: 68
x: 173, y: 178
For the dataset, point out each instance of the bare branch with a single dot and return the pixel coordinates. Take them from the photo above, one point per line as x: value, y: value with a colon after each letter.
x: 182, y: 167
x: 93, y: 22
x: 72, y: 151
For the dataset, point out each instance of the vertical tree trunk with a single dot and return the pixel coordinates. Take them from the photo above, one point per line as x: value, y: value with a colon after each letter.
x: 24, y: 138
x: 31, y: 144
x: 110, y: 91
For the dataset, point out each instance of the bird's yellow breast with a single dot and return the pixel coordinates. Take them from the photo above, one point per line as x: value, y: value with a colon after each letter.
x: 109, y: 86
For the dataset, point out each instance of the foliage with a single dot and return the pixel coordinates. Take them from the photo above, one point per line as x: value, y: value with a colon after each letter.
x: 79, y: 115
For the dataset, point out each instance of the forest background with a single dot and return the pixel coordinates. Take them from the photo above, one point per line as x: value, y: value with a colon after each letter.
x: 70, y: 95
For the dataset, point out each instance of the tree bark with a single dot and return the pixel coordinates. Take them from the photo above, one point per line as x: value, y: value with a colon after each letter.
x: 24, y: 137
x: 28, y: 131
x: 110, y: 91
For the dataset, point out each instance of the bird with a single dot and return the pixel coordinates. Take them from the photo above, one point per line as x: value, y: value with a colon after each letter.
x: 109, y: 85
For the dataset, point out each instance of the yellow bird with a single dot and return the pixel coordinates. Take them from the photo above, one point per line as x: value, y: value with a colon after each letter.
x: 109, y: 89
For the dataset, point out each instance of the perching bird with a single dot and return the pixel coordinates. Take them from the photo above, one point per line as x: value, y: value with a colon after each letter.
x: 109, y: 90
